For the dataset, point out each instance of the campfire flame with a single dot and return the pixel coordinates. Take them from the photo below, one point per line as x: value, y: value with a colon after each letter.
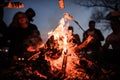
x: 60, y: 35
x: 68, y: 60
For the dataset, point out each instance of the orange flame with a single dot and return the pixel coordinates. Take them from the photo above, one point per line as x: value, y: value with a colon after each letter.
x: 68, y: 16
x: 61, y: 4
x: 60, y: 35
x: 85, y: 43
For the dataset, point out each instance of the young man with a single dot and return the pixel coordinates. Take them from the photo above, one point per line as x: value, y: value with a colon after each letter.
x: 73, y: 38
x: 94, y: 46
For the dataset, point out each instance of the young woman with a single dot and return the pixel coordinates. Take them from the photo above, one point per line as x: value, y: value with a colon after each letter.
x: 19, y: 30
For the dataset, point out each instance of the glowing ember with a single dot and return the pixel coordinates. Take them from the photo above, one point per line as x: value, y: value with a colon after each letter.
x: 61, y: 4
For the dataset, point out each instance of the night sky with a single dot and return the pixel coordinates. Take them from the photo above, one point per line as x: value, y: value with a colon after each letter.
x: 48, y: 15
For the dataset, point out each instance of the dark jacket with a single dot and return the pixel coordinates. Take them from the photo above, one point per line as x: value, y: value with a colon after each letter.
x: 18, y: 35
x: 97, y: 38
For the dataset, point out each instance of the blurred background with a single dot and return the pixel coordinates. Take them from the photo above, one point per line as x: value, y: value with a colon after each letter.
x: 48, y: 13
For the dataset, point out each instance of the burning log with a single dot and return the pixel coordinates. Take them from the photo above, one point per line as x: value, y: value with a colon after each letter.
x: 33, y: 57
x: 84, y: 44
x: 64, y: 64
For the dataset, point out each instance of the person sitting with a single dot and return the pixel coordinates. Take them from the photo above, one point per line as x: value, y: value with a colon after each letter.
x: 95, y: 45
x: 113, y: 40
x: 73, y: 38
x: 19, y: 30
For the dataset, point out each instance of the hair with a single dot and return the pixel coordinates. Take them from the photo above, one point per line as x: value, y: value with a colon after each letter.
x: 92, y: 21
x: 115, y: 26
x: 15, y: 19
x: 30, y: 13
x: 70, y: 28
